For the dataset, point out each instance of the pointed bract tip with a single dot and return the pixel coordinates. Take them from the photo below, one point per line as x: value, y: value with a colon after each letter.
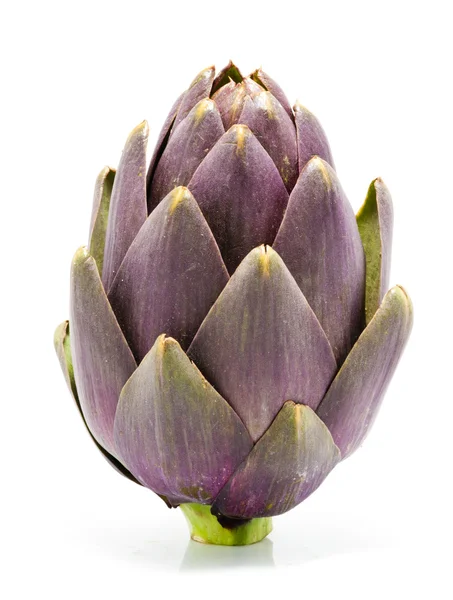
x: 318, y: 162
x: 400, y: 292
x: 230, y: 66
x: 266, y: 257
x: 141, y: 129
x: 229, y: 73
x: 396, y: 301
x: 104, y: 173
x: 204, y: 74
x: 163, y: 345
x: 299, y: 107
x: 160, y: 343
x: 264, y: 249
x: 60, y: 334
x: 239, y: 129
x: 252, y: 88
x: 402, y: 289
x: 379, y: 182
x: 81, y: 256
x: 263, y: 100
x: 238, y: 134
x: 320, y: 166
x: 179, y: 195
x: 256, y: 74
x: 204, y: 107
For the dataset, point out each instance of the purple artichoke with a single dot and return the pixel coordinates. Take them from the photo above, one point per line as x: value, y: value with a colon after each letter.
x: 232, y: 335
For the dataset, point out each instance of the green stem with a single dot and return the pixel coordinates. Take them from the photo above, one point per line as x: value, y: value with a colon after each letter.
x: 205, y: 528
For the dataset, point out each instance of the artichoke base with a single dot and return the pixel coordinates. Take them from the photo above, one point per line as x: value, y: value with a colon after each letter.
x: 205, y: 528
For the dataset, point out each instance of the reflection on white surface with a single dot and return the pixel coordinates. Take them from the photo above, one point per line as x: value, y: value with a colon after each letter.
x: 203, y: 556
x: 291, y: 543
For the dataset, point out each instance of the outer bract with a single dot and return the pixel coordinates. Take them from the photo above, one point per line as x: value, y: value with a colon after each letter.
x: 232, y: 332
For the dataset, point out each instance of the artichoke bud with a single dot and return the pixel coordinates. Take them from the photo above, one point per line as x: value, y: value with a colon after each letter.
x: 232, y: 331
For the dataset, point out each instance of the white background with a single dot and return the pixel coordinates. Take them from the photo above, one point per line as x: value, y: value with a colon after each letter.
x: 75, y: 78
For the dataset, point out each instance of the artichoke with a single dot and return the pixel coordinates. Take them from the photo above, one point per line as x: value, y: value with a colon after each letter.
x: 231, y: 333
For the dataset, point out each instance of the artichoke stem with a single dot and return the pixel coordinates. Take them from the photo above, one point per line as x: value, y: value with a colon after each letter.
x: 205, y: 528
